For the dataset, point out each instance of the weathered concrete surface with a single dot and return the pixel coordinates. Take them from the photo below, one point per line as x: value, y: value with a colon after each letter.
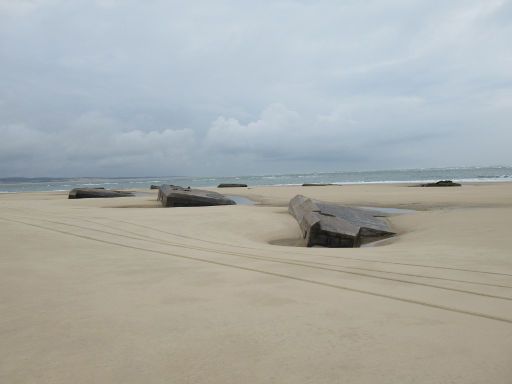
x: 88, y: 193
x: 336, y: 226
x: 316, y: 184
x: 175, y: 196
x: 231, y: 185
x: 441, y: 183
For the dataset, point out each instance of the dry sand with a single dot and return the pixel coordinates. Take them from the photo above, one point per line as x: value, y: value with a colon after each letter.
x: 118, y: 291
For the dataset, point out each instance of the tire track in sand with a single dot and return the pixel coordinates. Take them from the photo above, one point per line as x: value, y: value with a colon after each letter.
x: 275, y: 274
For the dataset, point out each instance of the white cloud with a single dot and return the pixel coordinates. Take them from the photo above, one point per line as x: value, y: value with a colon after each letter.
x: 350, y: 127
x: 263, y: 135
x: 95, y: 143
x: 400, y: 131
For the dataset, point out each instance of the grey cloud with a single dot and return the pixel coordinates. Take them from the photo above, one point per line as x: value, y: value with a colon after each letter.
x: 238, y: 87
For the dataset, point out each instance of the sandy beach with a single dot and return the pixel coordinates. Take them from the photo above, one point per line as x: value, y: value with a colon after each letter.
x: 123, y: 291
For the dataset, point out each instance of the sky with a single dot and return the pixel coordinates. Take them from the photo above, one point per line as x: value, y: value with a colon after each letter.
x: 163, y: 87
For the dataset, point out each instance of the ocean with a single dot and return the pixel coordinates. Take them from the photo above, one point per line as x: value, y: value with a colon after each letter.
x: 466, y: 174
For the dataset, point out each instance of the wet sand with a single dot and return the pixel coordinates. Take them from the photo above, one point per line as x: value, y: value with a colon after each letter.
x: 119, y: 290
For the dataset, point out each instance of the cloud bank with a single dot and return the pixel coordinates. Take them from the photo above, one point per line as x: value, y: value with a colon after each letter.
x: 118, y: 88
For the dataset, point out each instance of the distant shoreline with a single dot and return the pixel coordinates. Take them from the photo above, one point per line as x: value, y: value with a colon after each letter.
x: 412, y: 176
x: 389, y: 183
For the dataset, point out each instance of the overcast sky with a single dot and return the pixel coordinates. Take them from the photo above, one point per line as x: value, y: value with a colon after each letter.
x: 160, y: 87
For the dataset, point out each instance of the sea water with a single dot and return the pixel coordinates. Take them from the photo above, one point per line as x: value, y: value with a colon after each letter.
x: 468, y: 174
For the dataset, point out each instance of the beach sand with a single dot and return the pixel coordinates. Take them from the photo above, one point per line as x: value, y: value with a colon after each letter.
x: 122, y: 291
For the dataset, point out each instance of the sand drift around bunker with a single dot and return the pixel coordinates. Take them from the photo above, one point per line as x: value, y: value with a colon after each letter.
x: 337, y: 226
x: 175, y: 196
